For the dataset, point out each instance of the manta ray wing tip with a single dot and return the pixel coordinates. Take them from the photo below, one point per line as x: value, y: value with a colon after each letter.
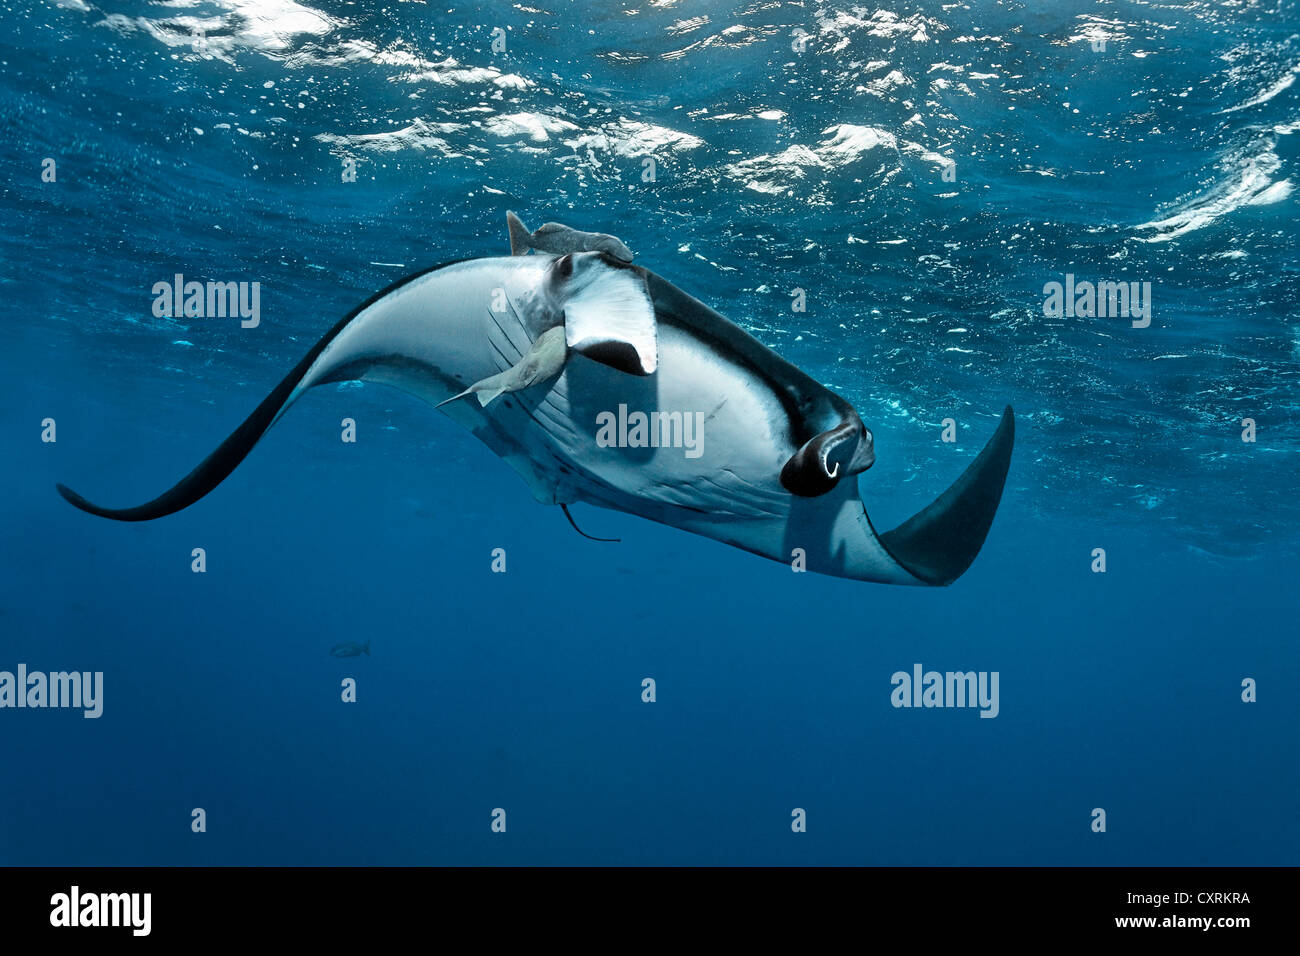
x: 74, y: 499
x: 941, y: 541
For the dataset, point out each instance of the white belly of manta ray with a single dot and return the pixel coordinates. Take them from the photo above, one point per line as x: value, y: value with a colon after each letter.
x: 600, y: 382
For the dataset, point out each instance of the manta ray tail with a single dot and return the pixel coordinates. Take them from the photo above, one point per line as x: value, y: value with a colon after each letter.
x: 565, y: 509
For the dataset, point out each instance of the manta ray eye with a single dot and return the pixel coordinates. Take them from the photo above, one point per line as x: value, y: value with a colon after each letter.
x: 564, y: 268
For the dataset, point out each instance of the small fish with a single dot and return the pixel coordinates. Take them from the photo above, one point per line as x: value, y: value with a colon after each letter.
x: 560, y: 240
x: 350, y: 649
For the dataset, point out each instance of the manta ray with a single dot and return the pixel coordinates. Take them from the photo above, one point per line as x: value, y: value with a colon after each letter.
x: 537, y: 354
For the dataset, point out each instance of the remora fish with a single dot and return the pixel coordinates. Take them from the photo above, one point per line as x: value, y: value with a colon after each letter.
x: 558, y: 239
x: 350, y: 649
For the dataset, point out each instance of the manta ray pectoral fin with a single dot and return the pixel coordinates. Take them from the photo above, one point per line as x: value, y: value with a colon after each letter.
x: 934, y: 547
x: 213, y: 470
x: 226, y: 457
x: 939, y: 543
x: 540, y: 363
x: 608, y: 314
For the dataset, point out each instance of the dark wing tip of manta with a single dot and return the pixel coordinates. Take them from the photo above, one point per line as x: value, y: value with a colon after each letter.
x: 77, y: 501
x: 214, y: 469
x: 939, y: 543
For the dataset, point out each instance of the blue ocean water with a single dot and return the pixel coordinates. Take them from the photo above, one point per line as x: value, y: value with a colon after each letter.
x: 793, y: 146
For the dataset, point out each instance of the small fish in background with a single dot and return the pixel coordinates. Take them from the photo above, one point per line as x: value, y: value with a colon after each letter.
x: 350, y: 649
x: 560, y: 240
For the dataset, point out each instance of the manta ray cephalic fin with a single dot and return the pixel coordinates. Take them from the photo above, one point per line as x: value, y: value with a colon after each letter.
x: 609, y: 317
